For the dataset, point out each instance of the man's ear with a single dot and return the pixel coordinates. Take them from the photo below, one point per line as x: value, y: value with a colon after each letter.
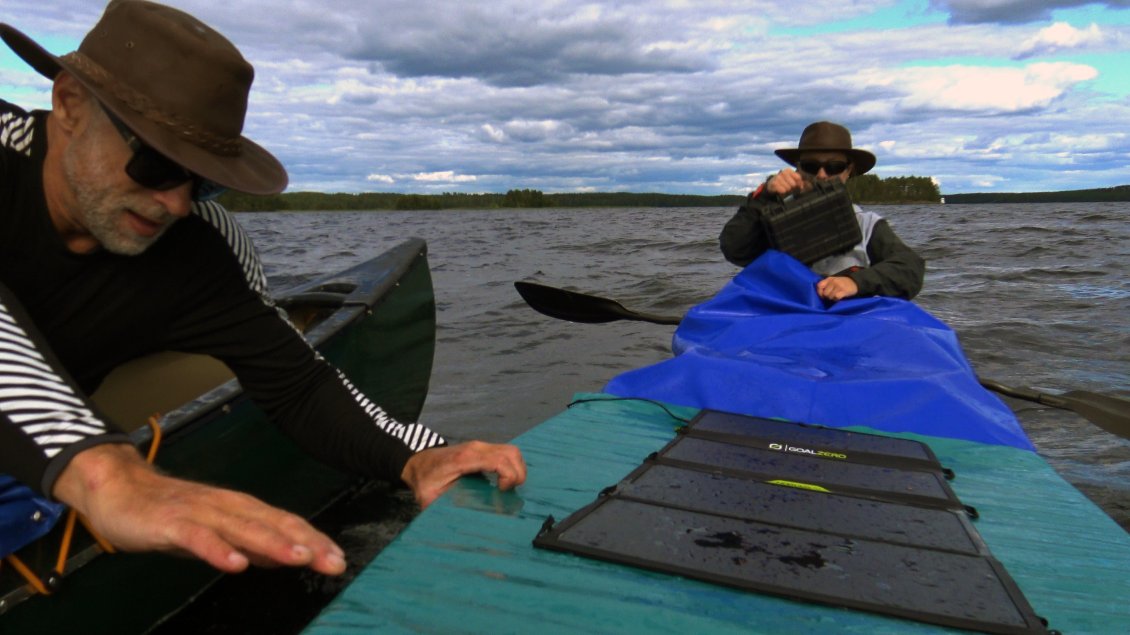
x: 70, y: 102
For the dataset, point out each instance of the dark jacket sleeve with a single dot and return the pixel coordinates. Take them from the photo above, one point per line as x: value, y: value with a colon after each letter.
x: 895, y: 271
x: 743, y: 238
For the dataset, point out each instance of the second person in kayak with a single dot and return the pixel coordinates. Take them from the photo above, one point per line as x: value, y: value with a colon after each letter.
x: 880, y: 265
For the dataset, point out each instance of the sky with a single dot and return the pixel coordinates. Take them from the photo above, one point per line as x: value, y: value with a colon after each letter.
x: 674, y: 96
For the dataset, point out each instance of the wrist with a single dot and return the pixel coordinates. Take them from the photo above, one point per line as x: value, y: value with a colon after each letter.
x: 94, y: 470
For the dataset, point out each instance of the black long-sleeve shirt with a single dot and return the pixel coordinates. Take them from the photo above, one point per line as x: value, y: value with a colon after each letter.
x: 66, y: 320
x: 895, y: 269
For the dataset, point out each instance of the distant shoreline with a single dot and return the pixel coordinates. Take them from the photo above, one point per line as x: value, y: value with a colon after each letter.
x: 1118, y: 194
x: 868, y: 190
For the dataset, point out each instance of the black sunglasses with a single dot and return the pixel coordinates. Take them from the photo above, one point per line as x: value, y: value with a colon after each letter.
x: 831, y: 168
x: 152, y: 170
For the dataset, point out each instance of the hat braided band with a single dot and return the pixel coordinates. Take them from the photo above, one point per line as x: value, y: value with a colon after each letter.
x: 225, y: 146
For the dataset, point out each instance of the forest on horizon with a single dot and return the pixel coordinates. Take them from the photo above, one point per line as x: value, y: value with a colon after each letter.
x: 865, y: 190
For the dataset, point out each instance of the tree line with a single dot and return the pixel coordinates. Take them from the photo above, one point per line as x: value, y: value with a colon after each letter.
x: 863, y: 189
x: 869, y: 188
x: 1119, y: 194
x: 524, y: 198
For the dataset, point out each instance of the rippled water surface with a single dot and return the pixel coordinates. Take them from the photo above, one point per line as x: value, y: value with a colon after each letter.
x: 1037, y: 294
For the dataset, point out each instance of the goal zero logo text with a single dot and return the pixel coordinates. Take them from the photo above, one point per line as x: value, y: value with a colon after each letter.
x: 781, y: 447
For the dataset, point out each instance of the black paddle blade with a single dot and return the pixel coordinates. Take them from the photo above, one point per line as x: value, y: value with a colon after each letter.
x: 1108, y: 412
x: 579, y: 307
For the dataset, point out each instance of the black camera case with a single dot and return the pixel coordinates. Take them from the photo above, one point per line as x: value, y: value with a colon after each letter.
x: 813, y: 225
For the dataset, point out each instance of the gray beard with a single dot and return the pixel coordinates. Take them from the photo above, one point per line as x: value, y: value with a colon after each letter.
x: 101, y: 212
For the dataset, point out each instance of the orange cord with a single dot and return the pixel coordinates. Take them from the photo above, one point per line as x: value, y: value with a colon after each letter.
x: 155, y: 426
x: 34, y: 580
x: 65, y: 545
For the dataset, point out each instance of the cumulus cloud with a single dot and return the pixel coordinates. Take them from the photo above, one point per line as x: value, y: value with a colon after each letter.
x: 517, y: 44
x: 446, y: 176
x: 639, y: 95
x: 979, y: 89
x: 1012, y: 11
x: 1060, y: 36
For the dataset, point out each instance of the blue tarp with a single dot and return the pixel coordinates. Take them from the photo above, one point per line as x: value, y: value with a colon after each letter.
x: 768, y: 345
x: 23, y: 515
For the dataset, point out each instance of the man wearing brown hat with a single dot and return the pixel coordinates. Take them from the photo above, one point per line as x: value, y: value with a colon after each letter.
x: 110, y: 249
x: 881, y: 264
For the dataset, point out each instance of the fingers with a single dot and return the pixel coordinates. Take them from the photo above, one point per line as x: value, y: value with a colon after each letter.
x: 511, y: 468
x: 432, y: 472
x: 139, y: 509
x: 197, y: 541
x: 503, y: 460
x: 836, y: 288
x: 230, y: 530
x: 787, y: 181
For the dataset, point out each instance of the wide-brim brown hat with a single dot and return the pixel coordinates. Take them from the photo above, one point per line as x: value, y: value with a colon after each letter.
x: 180, y: 86
x: 825, y: 136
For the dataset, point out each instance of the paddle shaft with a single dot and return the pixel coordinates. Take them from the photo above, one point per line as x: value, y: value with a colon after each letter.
x: 1106, y: 411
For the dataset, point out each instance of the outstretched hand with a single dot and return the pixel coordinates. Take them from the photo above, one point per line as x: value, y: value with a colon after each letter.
x: 432, y: 472
x: 136, y: 508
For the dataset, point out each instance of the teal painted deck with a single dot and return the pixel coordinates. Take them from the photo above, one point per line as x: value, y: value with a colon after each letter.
x: 467, y: 565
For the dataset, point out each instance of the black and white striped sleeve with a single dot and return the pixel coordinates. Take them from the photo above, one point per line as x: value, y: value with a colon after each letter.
x: 391, y: 441
x: 44, y: 419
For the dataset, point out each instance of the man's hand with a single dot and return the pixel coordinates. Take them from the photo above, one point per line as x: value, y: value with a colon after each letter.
x: 787, y: 181
x: 431, y: 472
x: 836, y: 288
x: 136, y: 508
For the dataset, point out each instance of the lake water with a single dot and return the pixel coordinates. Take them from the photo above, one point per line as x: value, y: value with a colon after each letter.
x: 1038, y: 295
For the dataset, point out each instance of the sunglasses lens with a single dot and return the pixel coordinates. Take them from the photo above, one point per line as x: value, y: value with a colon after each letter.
x: 153, y: 170
x: 831, y: 168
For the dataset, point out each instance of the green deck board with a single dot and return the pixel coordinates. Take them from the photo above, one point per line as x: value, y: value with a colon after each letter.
x: 467, y: 563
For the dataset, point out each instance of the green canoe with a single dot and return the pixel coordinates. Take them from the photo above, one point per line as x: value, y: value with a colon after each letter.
x: 375, y: 321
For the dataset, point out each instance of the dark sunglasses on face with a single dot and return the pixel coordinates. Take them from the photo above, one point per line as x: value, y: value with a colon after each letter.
x: 831, y: 168
x: 152, y: 170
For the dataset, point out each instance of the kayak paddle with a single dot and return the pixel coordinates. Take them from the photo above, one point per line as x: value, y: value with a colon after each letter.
x: 1106, y: 411
x: 579, y: 307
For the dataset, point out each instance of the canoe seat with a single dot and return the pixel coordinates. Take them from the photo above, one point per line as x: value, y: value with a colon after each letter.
x: 156, y: 384
x: 161, y: 382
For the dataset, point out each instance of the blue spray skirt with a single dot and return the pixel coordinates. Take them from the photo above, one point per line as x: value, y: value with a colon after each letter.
x: 767, y: 345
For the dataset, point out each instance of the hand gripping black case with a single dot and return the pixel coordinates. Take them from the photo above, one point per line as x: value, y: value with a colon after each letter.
x: 813, y: 225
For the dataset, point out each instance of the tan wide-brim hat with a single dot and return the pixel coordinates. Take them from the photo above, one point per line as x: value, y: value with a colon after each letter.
x: 180, y: 86
x: 825, y: 136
